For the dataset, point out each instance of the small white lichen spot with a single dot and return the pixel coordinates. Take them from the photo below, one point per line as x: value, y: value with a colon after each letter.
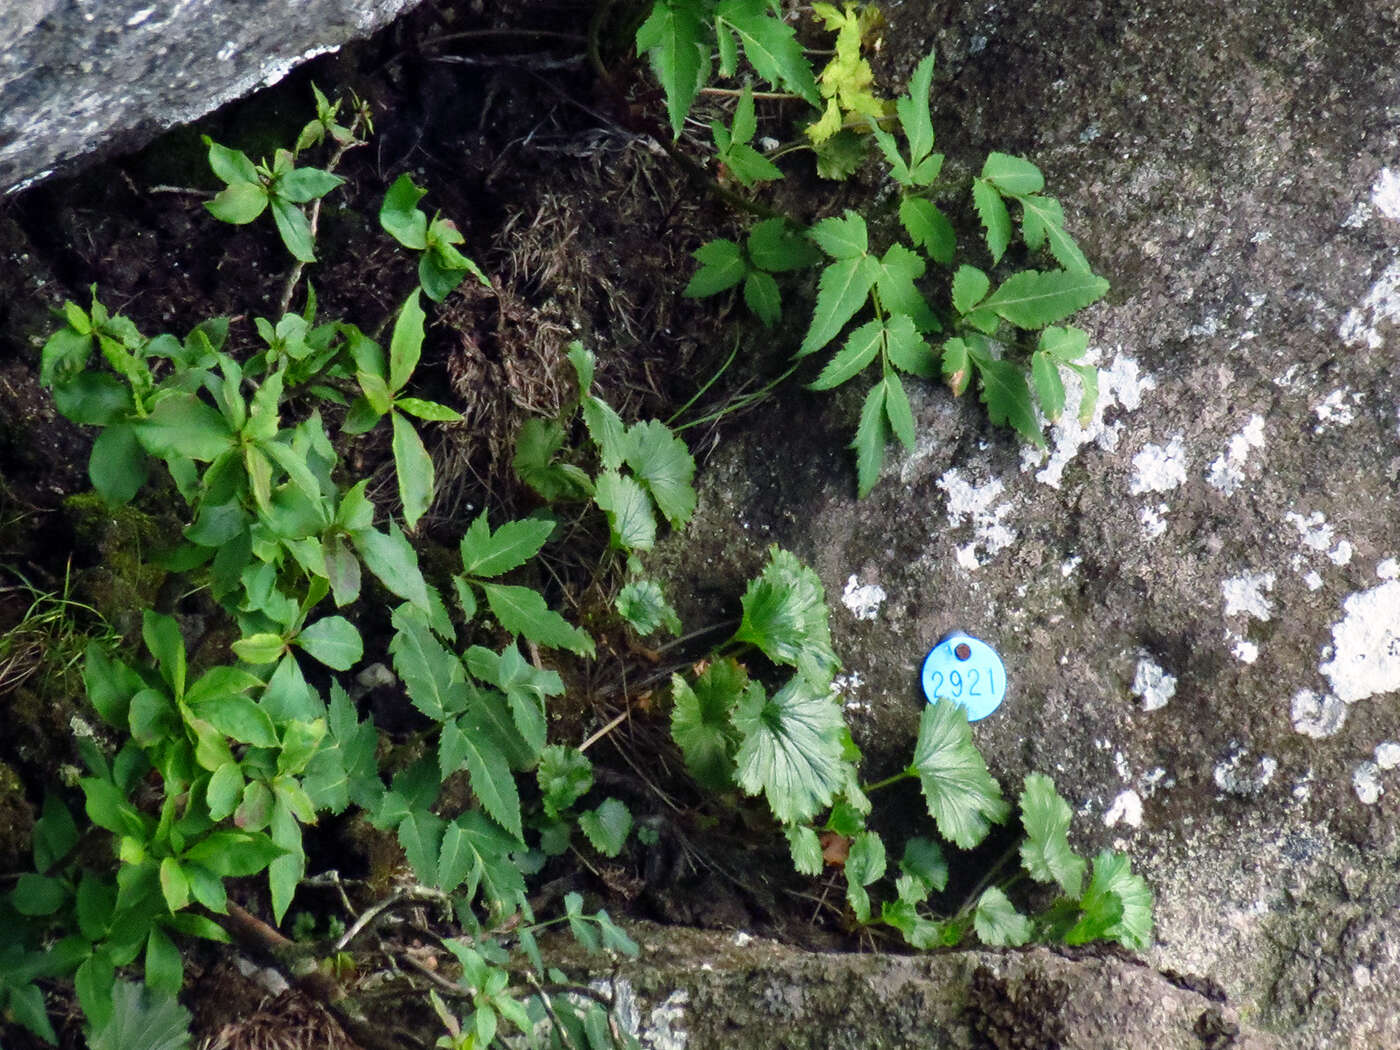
x: 1158, y: 469
x: 1366, y: 645
x: 1365, y: 778
x: 1153, y: 521
x: 139, y: 17
x: 864, y: 600
x: 1361, y: 326
x: 1341, y: 553
x: 1387, y: 754
x: 666, y: 1023
x: 1385, y: 194
x: 977, y: 504
x: 1245, y: 595
x: 1388, y: 569
x: 1153, y: 685
x: 1126, y: 809
x: 1226, y: 472
x: 1334, y: 411
x: 1244, y: 651
x: 1317, y: 715
x: 1313, y: 580
x: 1121, y: 385
x: 1230, y: 777
x: 1313, y: 530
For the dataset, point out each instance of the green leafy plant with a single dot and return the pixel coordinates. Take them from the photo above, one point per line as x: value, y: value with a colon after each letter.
x: 251, y: 189
x: 878, y: 297
x: 441, y: 267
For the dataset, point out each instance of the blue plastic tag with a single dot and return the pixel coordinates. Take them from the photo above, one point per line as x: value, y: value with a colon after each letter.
x: 967, y: 671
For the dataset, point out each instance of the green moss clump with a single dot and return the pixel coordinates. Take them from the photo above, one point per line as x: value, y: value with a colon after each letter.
x: 119, y: 541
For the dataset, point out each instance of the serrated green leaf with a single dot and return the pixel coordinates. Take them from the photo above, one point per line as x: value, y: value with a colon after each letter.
x: 913, y: 110
x: 607, y: 827
x: 777, y: 247
x: 865, y: 863
x: 536, y: 447
x: 663, y: 464
x: 1117, y: 906
x: 1045, y: 373
x: 928, y: 228
x: 957, y: 366
x: 861, y: 347
x: 841, y: 292
x: 1046, y: 852
x: 806, y: 849
x: 1012, y: 175
x: 1042, y: 223
x: 141, y: 1017
x: 722, y: 266
x: 790, y: 748
x: 491, y: 778
x: 1007, y: 398
x: 607, y: 430
x: 962, y: 797
x: 1034, y: 299
x: 523, y: 612
x: 487, y: 553
x: 998, y: 923
x: 908, y: 350
x: 749, y: 166
x: 897, y: 410
x: 333, y: 640
x: 770, y: 45
x: 996, y: 221
x: 400, y: 215
x: 628, y: 510
x: 394, y: 562
x: 869, y: 442
x: 970, y: 287
x: 899, y: 268
x: 565, y: 775
x: 762, y: 296
x: 434, y: 677
x: 674, y: 39
x: 701, y: 720
x: 785, y: 616
x: 919, y: 932
x: 845, y: 237
x: 643, y: 605
x: 924, y: 862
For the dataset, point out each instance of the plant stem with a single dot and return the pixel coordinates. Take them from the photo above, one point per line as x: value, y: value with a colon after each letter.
x: 740, y: 403
x: 780, y: 96
x: 903, y: 774
x: 708, y: 383
x: 315, y: 217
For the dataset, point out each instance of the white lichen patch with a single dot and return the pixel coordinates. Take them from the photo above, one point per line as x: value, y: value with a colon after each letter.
x: 864, y: 600
x: 1121, y: 385
x: 1318, y: 535
x: 1366, y: 781
x: 1385, y: 194
x: 1243, y: 650
x: 1235, y: 776
x: 1153, y: 520
x: 1388, y: 569
x: 1317, y: 715
x: 1366, y: 644
x: 1361, y: 326
x: 1336, y: 410
x: 1226, y: 471
x: 978, y: 506
x: 1387, y: 754
x: 1313, y: 581
x: 1125, y: 809
x: 1245, y: 594
x: 846, y: 687
x: 1152, y: 685
x: 1159, y: 469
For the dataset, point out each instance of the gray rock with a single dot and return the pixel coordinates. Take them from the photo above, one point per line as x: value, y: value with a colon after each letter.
x: 1197, y: 595
x: 82, y: 78
x: 695, y: 990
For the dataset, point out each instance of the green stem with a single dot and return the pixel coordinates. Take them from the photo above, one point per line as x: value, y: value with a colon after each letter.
x: 903, y: 774
x: 990, y: 877
x: 741, y: 403
x: 708, y: 383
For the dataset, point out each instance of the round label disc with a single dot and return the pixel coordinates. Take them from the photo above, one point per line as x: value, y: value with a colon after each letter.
x: 967, y: 671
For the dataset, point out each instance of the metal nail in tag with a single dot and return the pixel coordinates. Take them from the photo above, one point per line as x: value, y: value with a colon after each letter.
x: 967, y: 671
